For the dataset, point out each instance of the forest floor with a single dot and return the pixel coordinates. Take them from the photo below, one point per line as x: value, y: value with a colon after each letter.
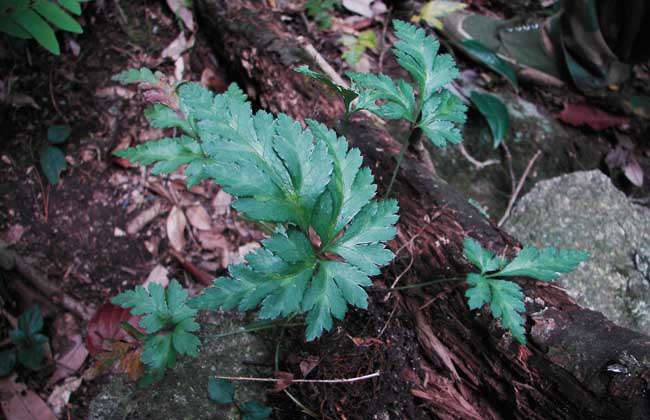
x: 107, y: 226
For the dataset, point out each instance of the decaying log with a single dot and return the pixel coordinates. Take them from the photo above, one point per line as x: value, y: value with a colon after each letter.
x: 577, y: 364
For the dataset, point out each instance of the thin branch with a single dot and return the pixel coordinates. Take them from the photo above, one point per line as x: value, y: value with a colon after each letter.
x: 304, y: 381
x: 515, y: 194
x: 511, y: 171
x: 478, y: 165
x: 322, y: 63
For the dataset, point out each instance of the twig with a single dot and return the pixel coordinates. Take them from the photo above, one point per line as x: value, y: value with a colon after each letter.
x: 303, y: 381
x: 478, y: 165
x: 382, y: 51
x: 388, y: 320
x: 56, y: 107
x: 513, y: 179
x: 322, y: 63
x: 514, y: 196
x: 399, y: 277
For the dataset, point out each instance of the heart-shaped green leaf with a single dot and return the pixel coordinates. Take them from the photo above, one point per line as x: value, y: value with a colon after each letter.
x: 58, y: 133
x: 52, y: 163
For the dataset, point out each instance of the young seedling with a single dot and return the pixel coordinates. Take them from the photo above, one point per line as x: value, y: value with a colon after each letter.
x: 505, y: 298
x: 425, y: 103
x: 28, y: 341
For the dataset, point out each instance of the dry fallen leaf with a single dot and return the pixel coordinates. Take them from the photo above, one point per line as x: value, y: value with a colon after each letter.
x: 211, y: 240
x: 176, y: 224
x: 70, y: 362
x: 144, y: 218
x: 60, y: 395
x: 242, y: 251
x: 13, y: 234
x: 20, y: 403
x: 159, y: 275
x: 221, y: 202
x: 199, y: 217
x: 180, y: 9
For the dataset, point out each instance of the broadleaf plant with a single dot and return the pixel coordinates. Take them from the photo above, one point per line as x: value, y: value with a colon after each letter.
x: 329, y: 233
x: 505, y: 298
x: 28, y: 340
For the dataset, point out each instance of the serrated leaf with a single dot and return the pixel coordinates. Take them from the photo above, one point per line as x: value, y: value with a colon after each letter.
x: 184, y: 342
x: 31, y: 354
x: 478, y: 294
x: 162, y: 116
x: 168, y: 153
x: 508, y: 304
x: 221, y: 391
x: 142, y: 75
x: 347, y: 95
x: 482, y: 258
x: 158, y: 352
x: 495, y: 112
x: 481, y: 53
x: 441, y: 116
x: 30, y: 322
x: 58, y: 133
x: 398, y: 99
x: 323, y: 301
x: 545, y: 264
x: 418, y: 54
x: 53, y: 163
x: 350, y: 189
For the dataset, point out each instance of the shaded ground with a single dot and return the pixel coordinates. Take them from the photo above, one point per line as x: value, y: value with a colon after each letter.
x: 76, y: 230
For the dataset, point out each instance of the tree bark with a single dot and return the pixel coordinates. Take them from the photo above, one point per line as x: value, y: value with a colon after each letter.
x: 577, y: 364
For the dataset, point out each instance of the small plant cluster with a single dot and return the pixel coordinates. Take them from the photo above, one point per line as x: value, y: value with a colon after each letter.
x: 29, y: 343
x: 328, y: 231
x: 222, y: 392
x: 27, y: 19
x: 320, y: 11
x: 505, y: 298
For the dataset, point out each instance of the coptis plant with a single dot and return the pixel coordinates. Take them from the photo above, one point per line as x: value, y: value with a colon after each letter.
x: 505, y: 298
x: 435, y: 111
x: 330, y: 234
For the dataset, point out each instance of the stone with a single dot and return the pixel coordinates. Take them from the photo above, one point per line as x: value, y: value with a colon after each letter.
x: 584, y: 210
x: 183, y: 392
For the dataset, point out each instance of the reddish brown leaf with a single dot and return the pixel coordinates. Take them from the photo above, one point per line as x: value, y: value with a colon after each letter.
x: 176, y: 224
x: 198, y: 217
x: 583, y: 114
x: 308, y: 364
x: 284, y: 380
x: 105, y: 328
x: 367, y: 341
x: 20, y: 403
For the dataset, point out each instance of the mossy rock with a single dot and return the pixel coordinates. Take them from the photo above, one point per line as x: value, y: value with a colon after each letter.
x: 584, y: 210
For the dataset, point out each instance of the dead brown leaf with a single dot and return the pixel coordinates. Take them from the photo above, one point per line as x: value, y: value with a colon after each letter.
x: 176, y: 224
x: 159, y: 275
x: 199, y: 217
x: 284, y: 380
x: 308, y: 364
x: 69, y: 362
x: 221, y: 203
x: 60, y: 395
x: 20, y: 403
x: 145, y: 217
x: 211, y: 240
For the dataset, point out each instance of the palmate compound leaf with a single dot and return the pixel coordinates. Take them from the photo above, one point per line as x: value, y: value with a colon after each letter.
x: 397, y: 99
x: 441, y: 116
x: 302, y: 178
x: 505, y: 298
x: 418, y: 54
x: 544, y: 264
x: 168, y: 153
x: 167, y: 319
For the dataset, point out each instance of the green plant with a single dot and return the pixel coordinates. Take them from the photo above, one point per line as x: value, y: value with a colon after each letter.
x: 52, y: 158
x: 222, y: 392
x: 320, y: 11
x: 329, y: 234
x: 495, y: 113
x: 505, y: 298
x: 27, y: 19
x: 28, y: 341
x: 435, y: 111
x: 168, y: 324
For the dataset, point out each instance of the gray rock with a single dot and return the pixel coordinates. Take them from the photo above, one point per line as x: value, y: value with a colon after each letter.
x: 584, y: 210
x: 183, y: 392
